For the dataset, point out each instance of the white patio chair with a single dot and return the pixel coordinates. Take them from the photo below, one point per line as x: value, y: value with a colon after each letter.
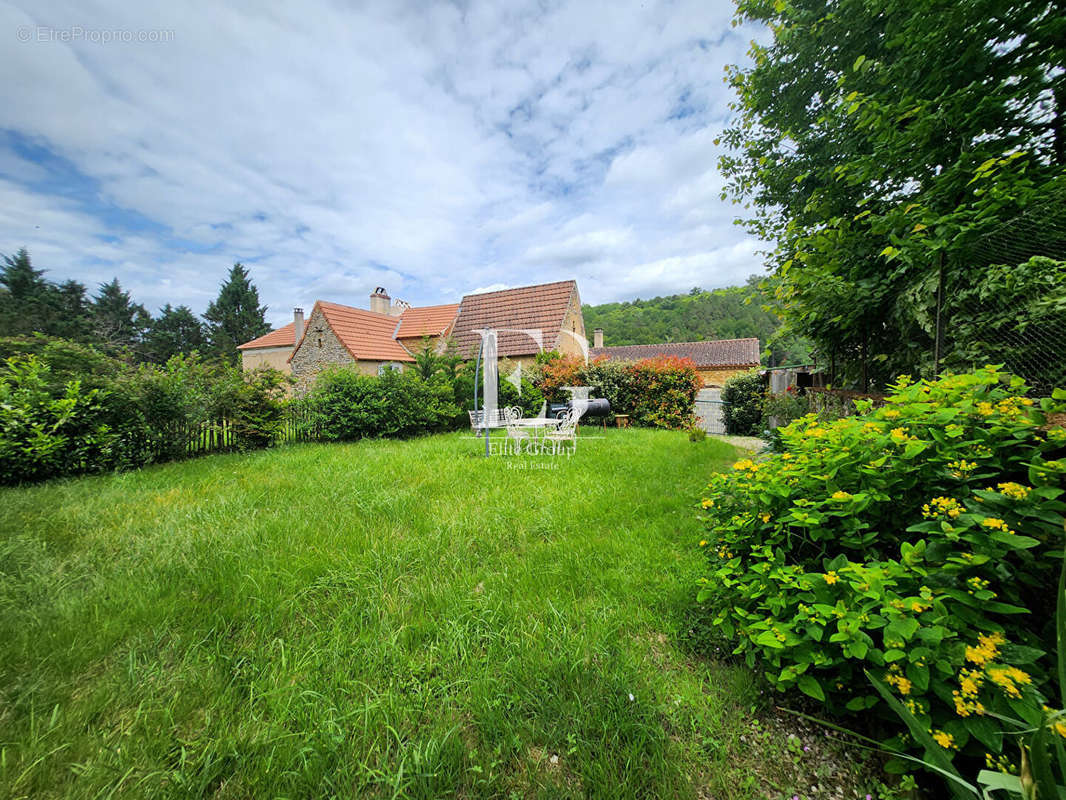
x: 517, y: 437
x: 565, y: 434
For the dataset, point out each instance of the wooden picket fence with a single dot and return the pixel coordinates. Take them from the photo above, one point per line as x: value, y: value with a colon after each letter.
x: 221, y: 436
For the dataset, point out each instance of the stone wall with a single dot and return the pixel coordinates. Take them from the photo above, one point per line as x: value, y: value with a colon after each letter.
x: 320, y: 349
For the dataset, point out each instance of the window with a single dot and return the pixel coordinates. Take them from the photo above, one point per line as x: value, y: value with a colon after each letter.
x: 320, y: 341
x: 389, y: 366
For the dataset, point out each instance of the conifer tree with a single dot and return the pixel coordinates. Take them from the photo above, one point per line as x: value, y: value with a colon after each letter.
x: 118, y: 323
x: 236, y: 316
x: 174, y: 331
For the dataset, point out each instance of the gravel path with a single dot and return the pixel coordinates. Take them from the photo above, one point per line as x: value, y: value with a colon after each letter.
x: 746, y: 442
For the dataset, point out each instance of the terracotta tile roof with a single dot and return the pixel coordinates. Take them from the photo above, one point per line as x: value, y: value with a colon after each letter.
x: 285, y: 336
x: 426, y: 321
x: 366, y: 335
x: 720, y: 353
x: 540, y: 307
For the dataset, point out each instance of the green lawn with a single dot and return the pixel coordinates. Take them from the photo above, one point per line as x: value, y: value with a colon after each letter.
x: 381, y: 619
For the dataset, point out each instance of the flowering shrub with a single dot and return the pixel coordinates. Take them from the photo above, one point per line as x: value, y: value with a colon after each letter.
x: 918, y: 541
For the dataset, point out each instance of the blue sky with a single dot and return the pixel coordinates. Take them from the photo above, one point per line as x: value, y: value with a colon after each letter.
x: 433, y: 149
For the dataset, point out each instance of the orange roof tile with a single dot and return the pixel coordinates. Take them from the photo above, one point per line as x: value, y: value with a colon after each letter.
x: 540, y: 307
x: 366, y: 335
x: 285, y: 336
x: 426, y: 321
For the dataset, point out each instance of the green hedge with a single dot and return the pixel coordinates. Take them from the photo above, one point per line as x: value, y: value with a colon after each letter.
x: 348, y: 405
x: 66, y: 409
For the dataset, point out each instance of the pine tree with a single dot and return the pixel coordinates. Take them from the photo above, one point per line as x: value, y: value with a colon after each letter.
x: 24, y: 299
x: 174, y: 331
x: 71, y: 312
x: 236, y: 316
x: 118, y: 323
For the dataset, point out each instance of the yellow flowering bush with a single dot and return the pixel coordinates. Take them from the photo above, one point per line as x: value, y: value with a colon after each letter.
x: 916, y: 541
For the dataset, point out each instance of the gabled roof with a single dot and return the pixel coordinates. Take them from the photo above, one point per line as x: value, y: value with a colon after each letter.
x: 285, y: 336
x: 719, y: 353
x: 364, y: 334
x: 426, y: 321
x: 540, y: 308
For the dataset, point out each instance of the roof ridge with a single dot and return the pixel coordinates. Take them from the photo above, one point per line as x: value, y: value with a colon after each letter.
x: 571, y: 281
x: 699, y: 341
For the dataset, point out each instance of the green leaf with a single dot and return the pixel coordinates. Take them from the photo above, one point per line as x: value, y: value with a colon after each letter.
x: 1060, y: 631
x: 809, y: 685
x: 858, y: 63
x: 935, y: 754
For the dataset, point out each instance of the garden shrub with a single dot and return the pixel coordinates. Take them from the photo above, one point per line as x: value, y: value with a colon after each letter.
x: 918, y: 541
x: 349, y: 405
x: 742, y: 404
x: 657, y: 392
x: 46, y: 432
x: 785, y: 407
x: 68, y: 409
x: 663, y: 392
x: 551, y: 371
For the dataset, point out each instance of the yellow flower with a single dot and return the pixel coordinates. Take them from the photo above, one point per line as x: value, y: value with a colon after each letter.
x: 707, y: 503
x: 764, y: 517
x: 985, y: 409
x: 899, y: 435
x: 891, y: 413
x: 895, y: 678
x: 703, y: 542
x: 948, y: 506
x: 746, y: 463
x: 944, y: 739
x: 986, y: 650
x: 1013, y: 490
x: 831, y: 577
x: 1005, y: 679
x: 841, y: 495
x: 995, y: 524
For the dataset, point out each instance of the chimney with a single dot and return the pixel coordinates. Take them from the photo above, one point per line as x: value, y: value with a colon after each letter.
x: 297, y: 324
x: 597, y: 337
x: 379, y: 301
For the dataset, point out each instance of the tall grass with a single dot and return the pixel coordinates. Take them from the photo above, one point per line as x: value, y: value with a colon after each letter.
x: 380, y: 619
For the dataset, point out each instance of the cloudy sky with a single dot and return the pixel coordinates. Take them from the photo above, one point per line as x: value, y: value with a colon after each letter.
x: 431, y: 148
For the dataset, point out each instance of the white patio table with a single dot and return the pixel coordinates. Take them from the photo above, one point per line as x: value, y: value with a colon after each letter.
x: 538, y: 426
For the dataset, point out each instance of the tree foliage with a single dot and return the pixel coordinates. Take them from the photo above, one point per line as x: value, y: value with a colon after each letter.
x: 119, y: 324
x: 738, y: 312
x: 235, y: 316
x: 876, y: 142
x: 30, y: 303
x: 174, y: 331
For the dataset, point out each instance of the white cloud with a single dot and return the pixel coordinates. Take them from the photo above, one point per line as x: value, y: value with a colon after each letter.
x: 333, y: 149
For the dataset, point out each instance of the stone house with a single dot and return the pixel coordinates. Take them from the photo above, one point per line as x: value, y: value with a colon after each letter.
x: 529, y: 319
x: 716, y: 360
x: 389, y: 333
